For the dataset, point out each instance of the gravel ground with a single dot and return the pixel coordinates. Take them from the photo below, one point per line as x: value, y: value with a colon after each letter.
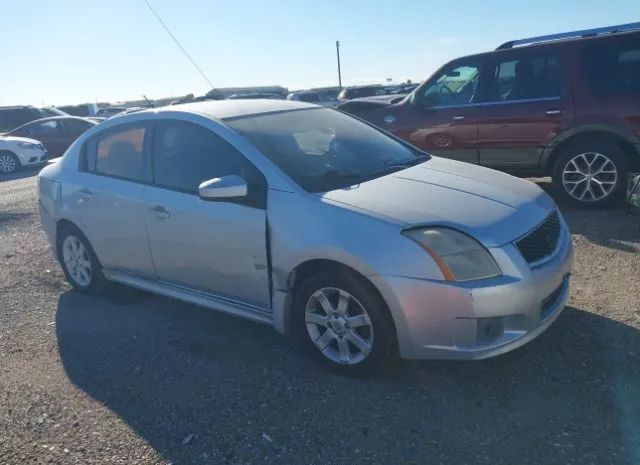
x: 139, y: 379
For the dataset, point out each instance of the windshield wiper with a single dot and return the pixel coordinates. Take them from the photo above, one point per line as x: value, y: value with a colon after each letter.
x: 406, y: 163
x: 339, y: 174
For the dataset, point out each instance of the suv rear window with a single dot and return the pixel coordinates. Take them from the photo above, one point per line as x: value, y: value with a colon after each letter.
x: 613, y: 66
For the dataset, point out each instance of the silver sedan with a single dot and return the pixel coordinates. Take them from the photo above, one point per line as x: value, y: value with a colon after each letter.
x: 330, y: 230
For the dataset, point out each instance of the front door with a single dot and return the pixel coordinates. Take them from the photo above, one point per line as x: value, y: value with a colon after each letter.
x: 218, y: 247
x: 443, y: 120
x: 525, y: 104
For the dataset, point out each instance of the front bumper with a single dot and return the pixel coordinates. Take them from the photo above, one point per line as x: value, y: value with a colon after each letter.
x: 32, y: 157
x: 483, y: 318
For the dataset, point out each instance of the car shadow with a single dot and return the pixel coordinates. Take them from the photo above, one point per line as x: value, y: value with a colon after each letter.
x: 23, y: 173
x: 617, y: 227
x: 172, y: 370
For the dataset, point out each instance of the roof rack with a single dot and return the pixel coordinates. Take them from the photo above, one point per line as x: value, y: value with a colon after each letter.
x: 571, y: 35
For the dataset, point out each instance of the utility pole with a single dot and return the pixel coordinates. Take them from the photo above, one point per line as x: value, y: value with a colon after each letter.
x: 339, y: 73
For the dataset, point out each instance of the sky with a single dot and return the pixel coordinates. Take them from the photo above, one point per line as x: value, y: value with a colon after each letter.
x: 74, y: 51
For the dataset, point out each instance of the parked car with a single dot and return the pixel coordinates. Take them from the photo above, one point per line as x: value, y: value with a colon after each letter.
x: 566, y: 106
x: 56, y: 133
x: 83, y: 110
x: 17, y: 152
x: 255, y: 95
x: 312, y: 96
x: 349, y: 93
x: 310, y: 220
x: 12, y: 117
x: 108, y: 112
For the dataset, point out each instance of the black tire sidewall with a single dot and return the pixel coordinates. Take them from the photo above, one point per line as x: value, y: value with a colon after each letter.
x: 98, y: 281
x: 368, y: 297
x: 605, y: 147
x: 15, y: 158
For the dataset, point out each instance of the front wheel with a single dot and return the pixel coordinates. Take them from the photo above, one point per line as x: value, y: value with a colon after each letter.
x: 591, y: 174
x: 9, y: 163
x: 343, y: 322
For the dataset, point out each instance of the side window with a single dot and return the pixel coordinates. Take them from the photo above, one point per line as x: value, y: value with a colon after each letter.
x: 48, y: 127
x: 524, y: 77
x: 455, y: 85
x: 119, y: 153
x: 309, y: 97
x: 185, y: 155
x: 76, y: 125
x: 613, y: 67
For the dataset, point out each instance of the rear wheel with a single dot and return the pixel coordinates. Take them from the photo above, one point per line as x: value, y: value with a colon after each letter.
x: 79, y: 263
x: 591, y: 173
x: 9, y: 163
x: 343, y: 322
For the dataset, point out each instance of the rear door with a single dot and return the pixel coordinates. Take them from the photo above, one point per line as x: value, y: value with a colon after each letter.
x: 444, y: 117
x: 109, y: 197
x: 72, y: 129
x: 526, y: 102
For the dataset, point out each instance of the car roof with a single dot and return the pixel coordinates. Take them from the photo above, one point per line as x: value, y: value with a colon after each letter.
x: 226, y: 109
x: 55, y: 118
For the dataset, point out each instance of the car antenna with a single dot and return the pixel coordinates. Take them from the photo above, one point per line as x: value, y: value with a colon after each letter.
x: 151, y: 104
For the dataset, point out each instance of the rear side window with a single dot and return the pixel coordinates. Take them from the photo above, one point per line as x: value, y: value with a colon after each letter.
x: 524, y: 77
x: 310, y: 97
x: 613, y: 66
x: 185, y: 155
x: 119, y: 153
x: 76, y: 125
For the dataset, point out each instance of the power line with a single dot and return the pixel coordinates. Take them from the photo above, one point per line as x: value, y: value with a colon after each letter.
x: 204, y: 76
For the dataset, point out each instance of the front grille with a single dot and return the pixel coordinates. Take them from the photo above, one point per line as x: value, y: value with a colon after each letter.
x: 542, y: 241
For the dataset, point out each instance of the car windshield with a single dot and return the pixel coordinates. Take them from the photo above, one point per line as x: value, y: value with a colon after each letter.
x: 323, y: 149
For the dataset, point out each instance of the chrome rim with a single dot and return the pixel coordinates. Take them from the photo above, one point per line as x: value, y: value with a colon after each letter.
x: 76, y: 260
x: 339, y: 326
x: 7, y: 164
x: 589, y: 177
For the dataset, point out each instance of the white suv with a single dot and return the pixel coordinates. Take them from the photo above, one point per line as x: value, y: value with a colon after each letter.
x: 16, y: 152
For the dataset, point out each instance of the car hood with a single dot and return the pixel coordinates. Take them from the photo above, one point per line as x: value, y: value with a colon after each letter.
x: 493, y: 207
x: 13, y: 139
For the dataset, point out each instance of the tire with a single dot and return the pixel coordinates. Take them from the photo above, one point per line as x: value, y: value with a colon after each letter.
x: 9, y: 163
x: 572, y: 166
x: 372, y: 331
x: 79, y: 263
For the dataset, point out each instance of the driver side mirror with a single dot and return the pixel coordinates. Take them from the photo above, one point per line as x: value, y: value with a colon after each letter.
x: 226, y: 187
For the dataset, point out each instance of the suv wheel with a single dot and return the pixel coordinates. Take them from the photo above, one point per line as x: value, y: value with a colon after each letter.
x: 343, y: 322
x: 591, y: 174
x: 9, y: 163
x: 79, y: 263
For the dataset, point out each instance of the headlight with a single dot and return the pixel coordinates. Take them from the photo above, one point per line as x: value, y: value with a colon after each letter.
x: 460, y: 257
x: 28, y: 145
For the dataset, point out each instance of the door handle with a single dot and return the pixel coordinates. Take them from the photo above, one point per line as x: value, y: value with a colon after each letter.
x: 554, y: 112
x: 458, y: 117
x: 160, y: 212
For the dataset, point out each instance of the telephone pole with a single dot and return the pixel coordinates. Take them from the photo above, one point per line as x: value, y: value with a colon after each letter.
x: 339, y: 73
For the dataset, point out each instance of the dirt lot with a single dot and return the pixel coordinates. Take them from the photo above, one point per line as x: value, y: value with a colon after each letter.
x: 138, y: 379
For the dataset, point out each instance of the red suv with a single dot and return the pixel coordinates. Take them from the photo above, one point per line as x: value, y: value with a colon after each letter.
x: 566, y: 105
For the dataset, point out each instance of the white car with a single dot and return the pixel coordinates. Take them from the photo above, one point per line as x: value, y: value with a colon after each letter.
x: 16, y: 152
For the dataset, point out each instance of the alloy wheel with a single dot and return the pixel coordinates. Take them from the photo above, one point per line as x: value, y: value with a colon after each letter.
x: 7, y: 164
x: 339, y: 326
x: 589, y: 177
x: 77, y: 260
